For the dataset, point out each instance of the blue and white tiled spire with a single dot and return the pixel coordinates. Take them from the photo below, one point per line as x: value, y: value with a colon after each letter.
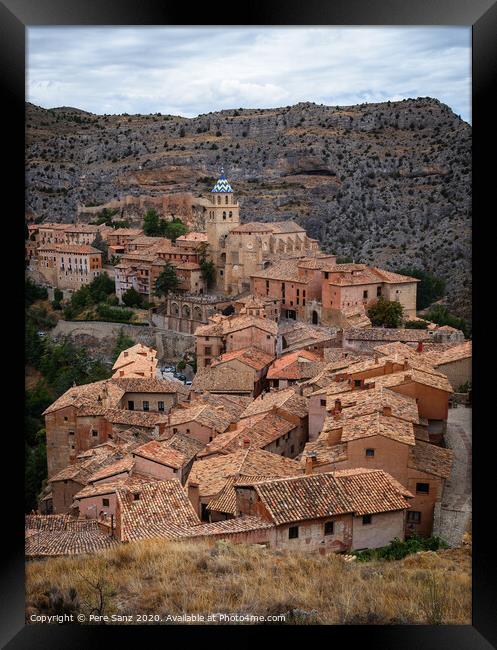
x: 222, y: 184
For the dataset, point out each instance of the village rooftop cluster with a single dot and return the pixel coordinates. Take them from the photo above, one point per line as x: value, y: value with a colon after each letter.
x: 304, y: 427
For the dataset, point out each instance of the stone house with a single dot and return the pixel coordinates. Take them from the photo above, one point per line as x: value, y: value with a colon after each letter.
x: 292, y: 367
x: 367, y: 340
x: 268, y: 431
x: 68, y: 266
x: 228, y: 333
x: 328, y: 512
x: 378, y: 429
x: 205, y: 417
x: 209, y: 476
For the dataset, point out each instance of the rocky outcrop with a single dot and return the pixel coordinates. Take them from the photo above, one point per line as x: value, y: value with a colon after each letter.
x: 388, y: 183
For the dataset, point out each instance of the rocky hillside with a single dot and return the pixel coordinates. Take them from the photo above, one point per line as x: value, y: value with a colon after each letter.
x: 387, y: 183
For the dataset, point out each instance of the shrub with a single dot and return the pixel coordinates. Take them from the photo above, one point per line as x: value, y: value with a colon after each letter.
x: 131, y: 298
x: 386, y: 312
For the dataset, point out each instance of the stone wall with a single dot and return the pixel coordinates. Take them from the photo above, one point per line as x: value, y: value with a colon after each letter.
x: 169, y: 345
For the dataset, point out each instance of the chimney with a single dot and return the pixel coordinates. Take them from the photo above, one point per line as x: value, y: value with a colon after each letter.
x: 387, y: 410
x: 194, y: 496
x: 309, y: 462
x: 420, y: 347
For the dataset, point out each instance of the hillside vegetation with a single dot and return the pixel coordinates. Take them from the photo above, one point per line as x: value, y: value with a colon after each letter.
x: 386, y: 183
x: 165, y: 578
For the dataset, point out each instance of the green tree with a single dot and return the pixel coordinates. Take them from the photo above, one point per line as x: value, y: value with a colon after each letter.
x: 105, y: 217
x: 167, y: 281
x: 33, y: 292
x: 430, y: 289
x: 386, y: 312
x: 57, y: 299
x: 131, y: 298
x: 151, y: 225
x: 172, y: 229
x: 441, y: 316
x: 101, y: 287
x: 415, y: 325
x: 208, y: 272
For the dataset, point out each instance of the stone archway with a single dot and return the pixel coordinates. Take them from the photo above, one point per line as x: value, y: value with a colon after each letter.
x: 315, y: 317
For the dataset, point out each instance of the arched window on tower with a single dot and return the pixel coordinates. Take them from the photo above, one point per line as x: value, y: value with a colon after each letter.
x: 224, y: 216
x: 219, y: 200
x: 231, y: 214
x: 226, y: 199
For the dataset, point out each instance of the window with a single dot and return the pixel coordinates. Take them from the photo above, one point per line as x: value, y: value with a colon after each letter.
x: 328, y: 528
x: 322, y: 402
x: 367, y: 519
x: 208, y: 351
x: 293, y: 532
x: 71, y: 433
x: 423, y: 488
x: 292, y: 449
x: 357, y: 382
x: 413, y: 517
x: 136, y: 496
x: 370, y: 452
x: 326, y: 275
x: 365, y: 295
x: 105, y: 502
x: 94, y: 433
x: 378, y: 292
x: 160, y: 406
x: 145, y: 405
x: 131, y: 405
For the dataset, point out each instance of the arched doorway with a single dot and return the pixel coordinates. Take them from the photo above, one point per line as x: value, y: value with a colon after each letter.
x: 315, y: 317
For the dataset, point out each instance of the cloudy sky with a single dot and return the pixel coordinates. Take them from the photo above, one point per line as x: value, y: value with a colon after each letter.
x: 188, y: 71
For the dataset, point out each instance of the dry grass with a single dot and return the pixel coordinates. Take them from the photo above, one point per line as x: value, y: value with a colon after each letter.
x: 155, y: 577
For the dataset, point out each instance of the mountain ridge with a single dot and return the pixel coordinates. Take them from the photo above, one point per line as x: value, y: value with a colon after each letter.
x: 386, y: 183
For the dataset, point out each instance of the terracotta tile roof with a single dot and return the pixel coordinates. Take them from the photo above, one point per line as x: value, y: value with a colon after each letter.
x: 315, y: 496
x: 224, y: 378
x: 215, y: 415
x: 160, y: 504
x: 211, y: 473
x: 229, y: 324
x: 454, y: 353
x: 185, y: 445
x: 70, y: 249
x: 386, y: 334
x: 287, y: 400
x: 284, y: 270
x: 363, y: 402
x: 147, y: 419
x: 431, y: 459
x: 438, y: 380
x: 88, y: 463
x: 161, y: 453
x: 225, y: 500
x: 132, y: 481
x: 323, y: 453
x: 252, y: 357
x: 228, y: 527
x: 252, y: 226
x: 193, y: 236
x: 286, y: 366
x: 298, y: 335
x: 118, y: 467
x: 375, y: 424
x: 73, y: 537
x: 258, y: 431
x: 147, y: 385
x: 87, y: 395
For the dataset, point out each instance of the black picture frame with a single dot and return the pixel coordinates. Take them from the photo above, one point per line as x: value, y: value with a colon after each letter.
x: 15, y: 15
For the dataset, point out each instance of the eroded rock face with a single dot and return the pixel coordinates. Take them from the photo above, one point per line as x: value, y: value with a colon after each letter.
x: 383, y: 183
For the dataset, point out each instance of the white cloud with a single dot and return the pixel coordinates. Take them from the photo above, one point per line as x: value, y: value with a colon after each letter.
x: 198, y: 70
